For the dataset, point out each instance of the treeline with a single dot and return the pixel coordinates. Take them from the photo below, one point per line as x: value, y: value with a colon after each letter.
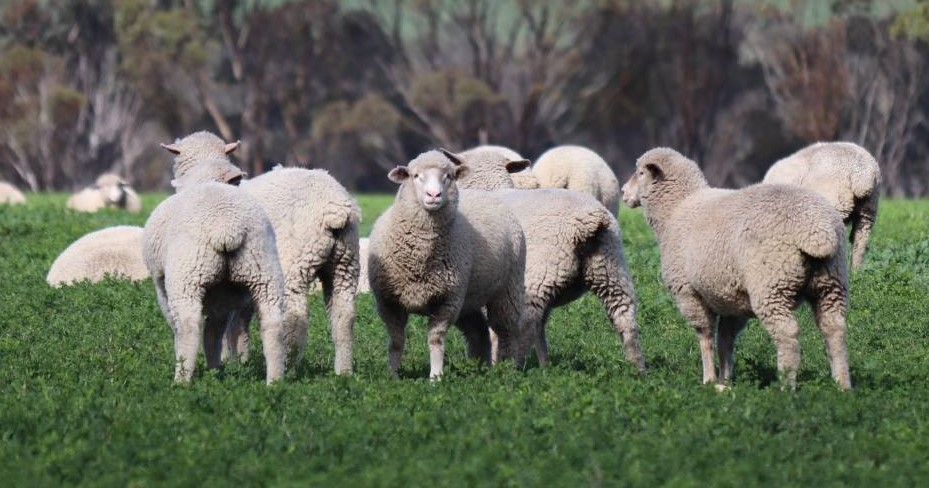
x: 356, y: 87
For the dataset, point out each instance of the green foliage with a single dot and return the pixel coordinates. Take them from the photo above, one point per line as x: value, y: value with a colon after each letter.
x: 88, y: 397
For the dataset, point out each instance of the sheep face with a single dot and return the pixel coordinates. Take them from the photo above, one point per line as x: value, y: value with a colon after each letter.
x: 633, y: 188
x: 432, y: 178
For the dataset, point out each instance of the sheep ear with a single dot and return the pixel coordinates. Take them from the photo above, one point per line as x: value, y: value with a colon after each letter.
x: 399, y: 174
x: 175, y: 183
x: 655, y: 170
x: 452, y: 157
x: 232, y: 146
x: 235, y: 180
x: 462, y: 171
x: 171, y: 147
x: 516, y: 166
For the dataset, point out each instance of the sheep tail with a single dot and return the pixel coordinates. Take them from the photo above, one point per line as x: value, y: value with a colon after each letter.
x: 225, y: 238
x: 823, y: 234
x: 341, y: 216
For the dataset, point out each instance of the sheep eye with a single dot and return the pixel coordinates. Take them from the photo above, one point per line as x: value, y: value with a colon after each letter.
x: 446, y: 178
x: 419, y: 177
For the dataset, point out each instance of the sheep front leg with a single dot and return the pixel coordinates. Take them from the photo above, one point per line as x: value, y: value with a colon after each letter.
x: 703, y: 321
x: 729, y: 329
x: 395, y: 319
x: 438, y: 327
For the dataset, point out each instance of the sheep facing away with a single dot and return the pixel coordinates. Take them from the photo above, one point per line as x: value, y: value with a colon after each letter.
x: 727, y: 255
x: 211, y: 252
x: 316, y: 223
x: 114, y: 251
x: 450, y: 255
x: 109, y: 191
x: 581, y: 169
x: 518, y: 166
x: 11, y: 195
x: 847, y: 175
x: 573, y: 244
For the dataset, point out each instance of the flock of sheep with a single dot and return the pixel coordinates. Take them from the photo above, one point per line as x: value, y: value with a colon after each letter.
x: 484, y: 241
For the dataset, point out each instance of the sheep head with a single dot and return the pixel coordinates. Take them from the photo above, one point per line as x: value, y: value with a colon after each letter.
x: 662, y: 174
x: 431, y: 176
x: 210, y: 170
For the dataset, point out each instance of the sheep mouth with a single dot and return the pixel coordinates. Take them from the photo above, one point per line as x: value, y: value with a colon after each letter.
x: 432, y: 203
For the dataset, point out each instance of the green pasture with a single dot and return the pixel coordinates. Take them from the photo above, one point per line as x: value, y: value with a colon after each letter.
x: 87, y: 398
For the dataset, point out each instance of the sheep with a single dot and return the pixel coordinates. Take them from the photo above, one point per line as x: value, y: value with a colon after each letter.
x: 211, y: 251
x: 11, y: 195
x: 523, y: 179
x: 114, y: 251
x: 578, y: 168
x: 193, y: 148
x: 316, y: 223
x: 109, y: 191
x: 450, y: 255
x: 847, y: 175
x: 363, y: 286
x: 727, y: 255
x: 573, y: 244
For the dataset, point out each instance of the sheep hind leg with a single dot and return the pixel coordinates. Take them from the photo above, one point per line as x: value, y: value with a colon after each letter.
x: 477, y: 335
x: 784, y: 330
x: 295, y: 324
x: 862, y: 223
x: 729, y: 329
x: 339, y: 297
x: 829, y: 303
x: 505, y: 318
x: 236, y: 340
x: 187, y: 336
x: 606, y: 275
x: 213, y: 329
x: 270, y: 322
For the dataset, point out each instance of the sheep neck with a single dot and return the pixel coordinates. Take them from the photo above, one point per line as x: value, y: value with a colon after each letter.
x: 426, y: 234
x: 665, y: 197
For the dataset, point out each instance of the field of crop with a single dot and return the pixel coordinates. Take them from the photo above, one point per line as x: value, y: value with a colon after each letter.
x: 88, y: 399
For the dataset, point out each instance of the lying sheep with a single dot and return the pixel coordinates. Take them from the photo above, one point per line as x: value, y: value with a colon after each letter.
x: 114, y: 251
x: 316, y: 222
x: 522, y: 179
x: 573, y: 244
x: 847, y: 175
x: 727, y: 255
x: 449, y: 255
x: 578, y: 168
x: 11, y: 195
x: 211, y: 251
x: 109, y: 191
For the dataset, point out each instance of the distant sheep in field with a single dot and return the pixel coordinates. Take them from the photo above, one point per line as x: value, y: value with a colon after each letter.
x: 581, y: 169
x: 727, y: 255
x: 522, y: 179
x: 11, y: 195
x: 109, y: 191
x: 113, y: 251
x: 847, y: 175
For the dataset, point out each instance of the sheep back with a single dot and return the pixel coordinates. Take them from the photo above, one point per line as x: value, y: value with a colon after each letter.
x: 581, y: 169
x: 115, y: 251
x: 9, y: 194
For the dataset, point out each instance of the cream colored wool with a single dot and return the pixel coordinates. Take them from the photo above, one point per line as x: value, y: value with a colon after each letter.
x: 449, y: 255
x: 847, y: 175
x: 109, y: 191
x: 211, y: 251
x: 191, y: 149
x: 573, y: 244
x: 113, y: 251
x: 11, y: 195
x: 727, y: 255
x: 581, y: 169
x: 522, y: 179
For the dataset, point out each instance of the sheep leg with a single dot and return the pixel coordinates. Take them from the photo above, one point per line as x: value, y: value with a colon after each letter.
x: 477, y: 334
x: 339, y: 296
x: 505, y: 317
x: 236, y: 340
x: 862, y: 223
x: 829, y: 305
x: 187, y: 336
x: 535, y: 316
x: 703, y: 321
x: 395, y: 319
x: 729, y: 329
x: 438, y: 326
x: 606, y: 275
x: 270, y: 321
x: 783, y: 328
x: 162, y: 297
x: 213, y: 329
x: 295, y: 324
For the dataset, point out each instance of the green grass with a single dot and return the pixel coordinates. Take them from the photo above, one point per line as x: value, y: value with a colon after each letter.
x: 87, y: 395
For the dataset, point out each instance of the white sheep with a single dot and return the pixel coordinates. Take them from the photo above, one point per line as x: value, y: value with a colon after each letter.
x: 727, y: 255
x: 114, y: 251
x: 109, y: 191
x: 196, y: 147
x: 316, y: 223
x: 211, y: 251
x: 449, y: 255
x: 522, y: 179
x: 847, y: 175
x: 11, y: 195
x: 578, y: 168
x: 573, y: 244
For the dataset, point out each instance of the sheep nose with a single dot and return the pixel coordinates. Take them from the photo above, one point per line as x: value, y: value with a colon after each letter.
x: 433, y: 193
